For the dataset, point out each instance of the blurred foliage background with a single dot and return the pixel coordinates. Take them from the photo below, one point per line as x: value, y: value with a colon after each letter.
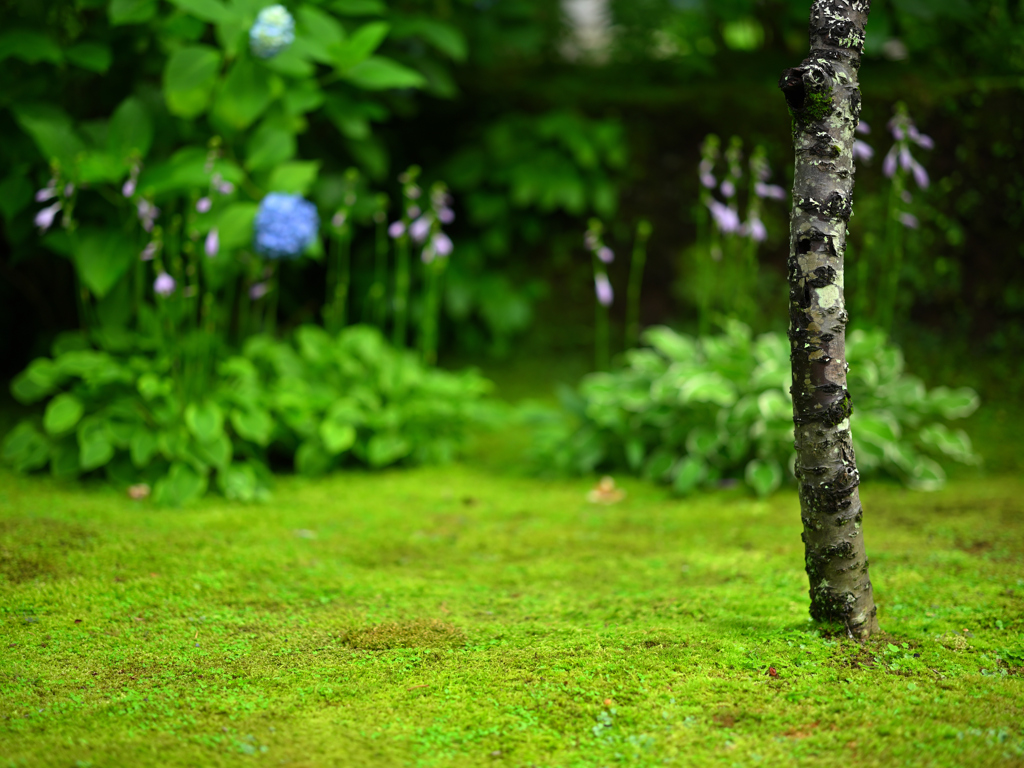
x: 538, y: 115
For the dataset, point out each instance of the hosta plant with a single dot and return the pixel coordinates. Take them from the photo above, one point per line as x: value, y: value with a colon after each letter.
x: 699, y: 411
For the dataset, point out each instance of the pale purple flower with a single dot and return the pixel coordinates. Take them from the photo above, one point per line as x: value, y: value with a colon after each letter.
x: 896, y: 126
x: 164, y: 284
x: 771, y: 191
x: 148, y: 214
x: 396, y: 229
x: 862, y: 150
x: 590, y: 240
x: 258, y: 291
x: 728, y: 189
x: 150, y: 251
x: 756, y: 230
x: 919, y: 173
x: 704, y: 170
x: 212, y: 244
x: 419, y: 229
x: 908, y: 220
x: 413, y: 192
x: 726, y: 219
x: 889, y: 164
x: 414, y: 212
x: 44, y: 219
x: 223, y: 187
x: 204, y: 204
x: 446, y: 215
x: 442, y: 244
x: 339, y: 219
x: 920, y: 139
x: 605, y: 254
x: 863, y: 127
x: 128, y: 188
x: 708, y: 180
x: 603, y: 289
x: 46, y: 193
x: 906, y: 159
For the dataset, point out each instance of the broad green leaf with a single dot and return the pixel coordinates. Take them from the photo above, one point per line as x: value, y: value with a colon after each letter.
x: 241, y: 482
x: 234, y: 225
x: 295, y: 177
x: 26, y: 448
x: 774, y: 405
x: 247, y: 91
x: 131, y: 11
x: 360, y: 46
x: 444, y: 37
x: 293, y: 63
x: 181, y: 485
x: 386, y: 448
x: 131, y: 130
x: 207, y: 10
x: 311, y: 459
x: 92, y: 56
x: 40, y: 378
x: 51, y: 130
x: 64, y: 458
x: 189, y: 78
x: 102, y: 257
x: 673, y: 345
x: 359, y: 7
x: 216, y: 452
x: 184, y: 171
x: 708, y: 387
x: 954, y: 403
x: 152, y: 386
x: 15, y: 195
x: 337, y: 436
x: 378, y: 74
x: 142, y: 446
x: 95, y: 447
x: 956, y: 445
x: 205, y: 421
x: 29, y: 46
x: 701, y: 441
x: 100, y: 168
x: 319, y: 34
x: 763, y: 476
x: 269, y: 145
x: 635, y: 452
x: 253, y: 424
x: 62, y: 413
x: 878, y: 427
x: 659, y: 463
x: 926, y: 475
x: 688, y: 474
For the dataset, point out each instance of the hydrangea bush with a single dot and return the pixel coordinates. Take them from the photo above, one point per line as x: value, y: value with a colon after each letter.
x: 697, y: 412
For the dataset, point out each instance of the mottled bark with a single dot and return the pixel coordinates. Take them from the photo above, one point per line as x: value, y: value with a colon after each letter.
x: 824, y: 102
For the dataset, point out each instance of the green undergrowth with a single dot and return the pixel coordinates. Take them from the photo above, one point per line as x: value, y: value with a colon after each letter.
x: 469, y: 617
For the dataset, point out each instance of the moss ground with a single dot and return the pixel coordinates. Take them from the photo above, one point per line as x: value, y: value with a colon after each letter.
x: 467, y: 616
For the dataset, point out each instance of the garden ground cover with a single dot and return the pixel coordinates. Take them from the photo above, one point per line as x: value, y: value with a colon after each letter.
x: 470, y: 616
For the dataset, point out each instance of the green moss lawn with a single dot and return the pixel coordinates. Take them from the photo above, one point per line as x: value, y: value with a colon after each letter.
x: 467, y: 616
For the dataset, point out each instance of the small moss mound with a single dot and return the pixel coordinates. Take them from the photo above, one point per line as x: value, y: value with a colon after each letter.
x: 421, y: 633
x: 38, y: 548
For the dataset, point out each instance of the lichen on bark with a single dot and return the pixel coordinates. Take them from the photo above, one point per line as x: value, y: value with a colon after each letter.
x: 823, y: 96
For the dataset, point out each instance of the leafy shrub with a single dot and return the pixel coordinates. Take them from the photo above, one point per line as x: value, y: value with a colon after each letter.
x: 693, y: 411
x: 323, y: 401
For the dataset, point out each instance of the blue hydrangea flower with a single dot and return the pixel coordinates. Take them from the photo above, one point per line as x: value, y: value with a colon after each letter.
x: 273, y: 31
x: 285, y: 226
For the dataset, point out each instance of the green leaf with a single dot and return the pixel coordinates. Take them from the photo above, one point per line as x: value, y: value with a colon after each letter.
x: 360, y: 46
x: 15, y: 195
x: 92, y: 56
x: 207, y: 10
x: 296, y: 177
x: 701, y: 441
x: 234, y: 225
x: 359, y: 7
x: 269, y: 145
x: 673, y: 345
x: 926, y: 475
x: 64, y: 458
x: 217, y: 452
x: 29, y: 46
x: 186, y: 170
x: 102, y: 257
x: 51, y: 130
x: 181, y: 485
x: 774, y: 405
x: 337, y: 437
x: 189, y: 78
x: 708, y: 387
x: 311, y: 459
x: 205, y: 421
x: 688, y: 474
x: 95, y: 447
x: 40, y: 378
x: 659, y: 464
x: 444, y: 37
x: 319, y: 34
x: 131, y: 11
x: 253, y: 424
x: 378, y: 74
x: 62, y: 413
x: 241, y: 482
x: 635, y: 452
x: 956, y: 445
x: 26, y: 448
x: 131, y: 130
x: 763, y: 476
x: 142, y: 446
x: 954, y: 403
x: 386, y: 448
x: 878, y: 427
x: 245, y: 95
x: 100, y: 168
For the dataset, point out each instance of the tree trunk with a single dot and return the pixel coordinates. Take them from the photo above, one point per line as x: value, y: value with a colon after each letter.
x: 824, y: 101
